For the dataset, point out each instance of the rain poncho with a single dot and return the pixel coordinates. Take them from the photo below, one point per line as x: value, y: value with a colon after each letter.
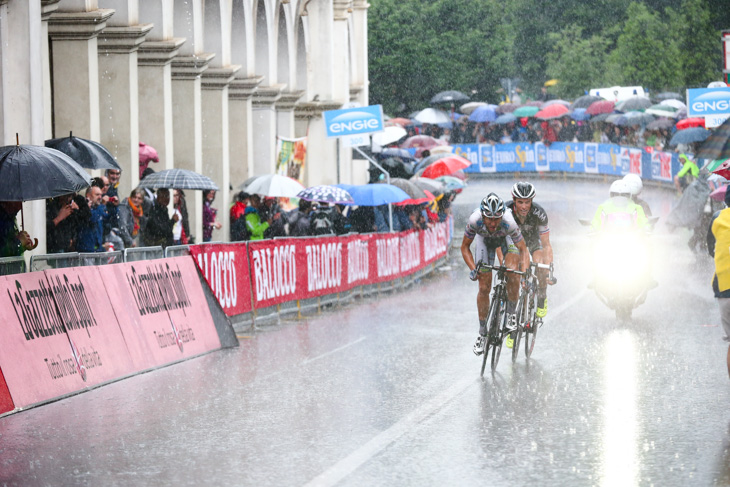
x: 688, y: 211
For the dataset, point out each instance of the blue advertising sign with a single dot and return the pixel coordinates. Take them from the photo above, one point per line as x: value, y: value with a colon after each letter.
x: 353, y: 121
x: 708, y: 101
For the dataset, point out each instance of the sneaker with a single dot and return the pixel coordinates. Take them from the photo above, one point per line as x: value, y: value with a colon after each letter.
x: 511, y: 323
x: 542, y: 310
x: 479, y: 345
x: 509, y: 341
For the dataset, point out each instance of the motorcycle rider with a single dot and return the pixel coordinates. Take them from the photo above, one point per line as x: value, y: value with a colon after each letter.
x: 533, y: 222
x: 635, y: 188
x: 619, y: 211
x: 493, y: 226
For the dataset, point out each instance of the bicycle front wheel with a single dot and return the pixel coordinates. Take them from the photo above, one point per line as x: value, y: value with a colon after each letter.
x: 522, y: 313
x: 495, y: 335
x: 531, y: 331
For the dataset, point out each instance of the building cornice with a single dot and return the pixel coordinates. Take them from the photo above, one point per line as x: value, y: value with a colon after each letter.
x: 243, y: 88
x: 313, y: 109
x: 47, y: 7
x: 122, y: 40
x: 288, y: 100
x: 266, y: 96
x: 342, y: 9
x: 78, y: 25
x: 219, y: 78
x: 159, y: 53
x: 191, y: 67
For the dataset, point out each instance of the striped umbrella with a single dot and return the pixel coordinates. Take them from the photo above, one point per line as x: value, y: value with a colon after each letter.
x: 717, y: 146
x: 326, y: 194
x: 177, y: 179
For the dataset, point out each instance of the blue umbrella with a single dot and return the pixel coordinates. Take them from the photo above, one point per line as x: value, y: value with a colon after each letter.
x: 484, y: 114
x: 505, y: 119
x: 579, y: 114
x: 374, y: 194
x: 688, y: 136
x: 401, y: 153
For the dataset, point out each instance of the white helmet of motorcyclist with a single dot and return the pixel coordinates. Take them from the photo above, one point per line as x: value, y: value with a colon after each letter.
x: 635, y: 184
x: 620, y: 188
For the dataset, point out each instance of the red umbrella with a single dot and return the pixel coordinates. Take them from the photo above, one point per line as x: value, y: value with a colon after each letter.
x: 446, y: 166
x: 690, y: 122
x: 552, y: 111
x: 598, y: 107
x: 723, y: 170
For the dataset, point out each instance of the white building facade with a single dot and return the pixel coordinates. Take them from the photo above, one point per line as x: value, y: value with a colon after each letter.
x: 210, y: 84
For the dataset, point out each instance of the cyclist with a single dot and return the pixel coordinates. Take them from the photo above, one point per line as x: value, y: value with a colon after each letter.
x: 635, y: 187
x: 493, y: 227
x: 533, y: 222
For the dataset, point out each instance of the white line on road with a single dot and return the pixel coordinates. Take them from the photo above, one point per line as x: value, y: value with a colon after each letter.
x: 566, y: 305
x: 310, y: 360
x: 354, y: 460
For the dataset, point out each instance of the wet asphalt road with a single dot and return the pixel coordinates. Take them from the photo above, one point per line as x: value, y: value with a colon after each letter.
x: 386, y: 390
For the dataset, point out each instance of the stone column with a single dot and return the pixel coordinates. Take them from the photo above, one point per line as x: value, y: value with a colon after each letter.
x: 321, y: 165
x: 240, y: 123
x: 76, y: 71
x: 119, y: 99
x: 359, y: 38
x: 216, y: 156
x: 155, y: 98
x: 47, y: 8
x: 264, y: 133
x: 285, y: 113
x: 187, y: 127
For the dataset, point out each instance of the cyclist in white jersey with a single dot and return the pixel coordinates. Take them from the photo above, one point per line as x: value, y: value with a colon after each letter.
x: 493, y: 226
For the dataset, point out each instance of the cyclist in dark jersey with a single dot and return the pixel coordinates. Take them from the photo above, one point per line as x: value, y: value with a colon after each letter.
x: 533, y: 222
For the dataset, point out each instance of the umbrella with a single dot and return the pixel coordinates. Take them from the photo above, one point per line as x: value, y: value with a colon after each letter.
x: 719, y: 193
x: 445, y: 166
x: 432, y: 116
x: 403, y: 122
x: 723, y: 169
x: 326, y: 194
x: 673, y: 103
x: 178, y: 179
x: 690, y: 122
x: 374, y: 194
x: 552, y: 111
x: 690, y: 135
x: 534, y: 103
x: 427, y: 161
x: 637, y: 118
x: 421, y: 143
x: 525, y: 111
x: 660, y: 123
x: 585, y: 101
x: 579, y: 114
x: 484, y: 114
x: 505, y: 119
x: 273, y: 185
x: 147, y: 154
x: 389, y: 135
x: 713, y: 165
x: 442, y: 149
x: 614, y: 117
x: 556, y: 102
x: 598, y: 107
x: 451, y: 183
x: 428, y: 184
x: 413, y: 191
x: 506, y: 108
x: 399, y: 153
x: 87, y: 153
x: 662, y: 110
x: 601, y: 117
x: 634, y: 103
x: 396, y: 167
x: 669, y: 95
x: 467, y: 108
x: 551, y: 82
x: 717, y: 146
x: 449, y: 97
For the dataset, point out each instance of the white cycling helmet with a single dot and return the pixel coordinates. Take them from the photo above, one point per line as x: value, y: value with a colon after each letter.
x: 492, y: 206
x: 635, y: 184
x: 524, y: 190
x: 620, y: 188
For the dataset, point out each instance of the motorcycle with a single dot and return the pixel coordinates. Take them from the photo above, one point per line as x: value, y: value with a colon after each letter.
x: 621, y: 263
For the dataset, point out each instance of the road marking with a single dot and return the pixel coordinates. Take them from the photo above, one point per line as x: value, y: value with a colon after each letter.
x: 354, y: 460
x: 310, y: 360
x: 567, y: 304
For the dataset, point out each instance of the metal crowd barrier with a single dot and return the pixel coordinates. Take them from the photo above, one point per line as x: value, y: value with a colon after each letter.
x: 177, y: 250
x: 12, y: 265
x: 43, y: 262
x: 101, y: 258
x: 135, y: 254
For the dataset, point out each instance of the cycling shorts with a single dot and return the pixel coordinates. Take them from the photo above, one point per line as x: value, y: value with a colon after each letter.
x: 533, y: 245
x: 486, y: 248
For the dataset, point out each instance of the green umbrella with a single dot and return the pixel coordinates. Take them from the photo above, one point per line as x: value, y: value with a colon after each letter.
x: 662, y: 110
x: 712, y: 165
x: 525, y: 112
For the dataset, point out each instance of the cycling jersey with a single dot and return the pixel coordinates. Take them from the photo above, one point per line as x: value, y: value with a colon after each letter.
x: 535, y: 224
x: 505, y: 236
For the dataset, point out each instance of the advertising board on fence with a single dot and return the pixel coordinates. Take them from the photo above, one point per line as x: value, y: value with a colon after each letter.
x: 225, y: 268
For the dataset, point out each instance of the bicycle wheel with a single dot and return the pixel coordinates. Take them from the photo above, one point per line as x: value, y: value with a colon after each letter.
x: 496, y: 334
x: 531, y: 332
x: 493, y: 309
x: 521, y: 319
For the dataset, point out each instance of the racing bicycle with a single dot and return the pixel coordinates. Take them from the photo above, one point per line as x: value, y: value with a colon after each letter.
x: 497, y: 316
x: 527, y: 320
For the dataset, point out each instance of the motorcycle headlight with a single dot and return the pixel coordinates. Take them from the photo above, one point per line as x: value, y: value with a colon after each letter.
x: 620, y: 258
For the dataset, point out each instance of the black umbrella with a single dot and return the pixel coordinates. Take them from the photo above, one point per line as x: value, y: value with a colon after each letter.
x: 601, y: 117
x: 690, y: 135
x: 449, y: 97
x: 585, y: 101
x: 87, y: 153
x: 411, y: 188
x: 669, y: 95
x: 661, y: 123
x: 397, y: 168
x: 178, y: 179
x: 717, y: 145
x: 634, y: 103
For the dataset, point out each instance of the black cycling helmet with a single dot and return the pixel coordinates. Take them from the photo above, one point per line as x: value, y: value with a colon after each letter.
x: 523, y: 189
x: 492, y: 206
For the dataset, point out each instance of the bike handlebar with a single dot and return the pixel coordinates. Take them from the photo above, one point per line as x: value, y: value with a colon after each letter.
x: 482, y: 267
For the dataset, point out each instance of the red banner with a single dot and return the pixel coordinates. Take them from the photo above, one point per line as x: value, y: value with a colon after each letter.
x: 226, y: 269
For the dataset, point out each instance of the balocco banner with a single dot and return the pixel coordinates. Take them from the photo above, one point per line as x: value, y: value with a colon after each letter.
x: 278, y: 271
x: 225, y: 268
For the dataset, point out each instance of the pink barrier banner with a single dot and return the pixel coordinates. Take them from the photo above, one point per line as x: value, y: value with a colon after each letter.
x: 435, y: 241
x: 161, y: 310
x: 60, y: 335
x: 226, y: 269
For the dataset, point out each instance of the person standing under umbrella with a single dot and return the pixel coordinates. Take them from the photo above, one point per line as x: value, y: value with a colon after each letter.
x: 209, y: 215
x: 13, y: 243
x: 256, y: 227
x: 91, y: 228
x: 132, y: 218
x: 62, y: 222
x: 181, y: 229
x: 158, y: 230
